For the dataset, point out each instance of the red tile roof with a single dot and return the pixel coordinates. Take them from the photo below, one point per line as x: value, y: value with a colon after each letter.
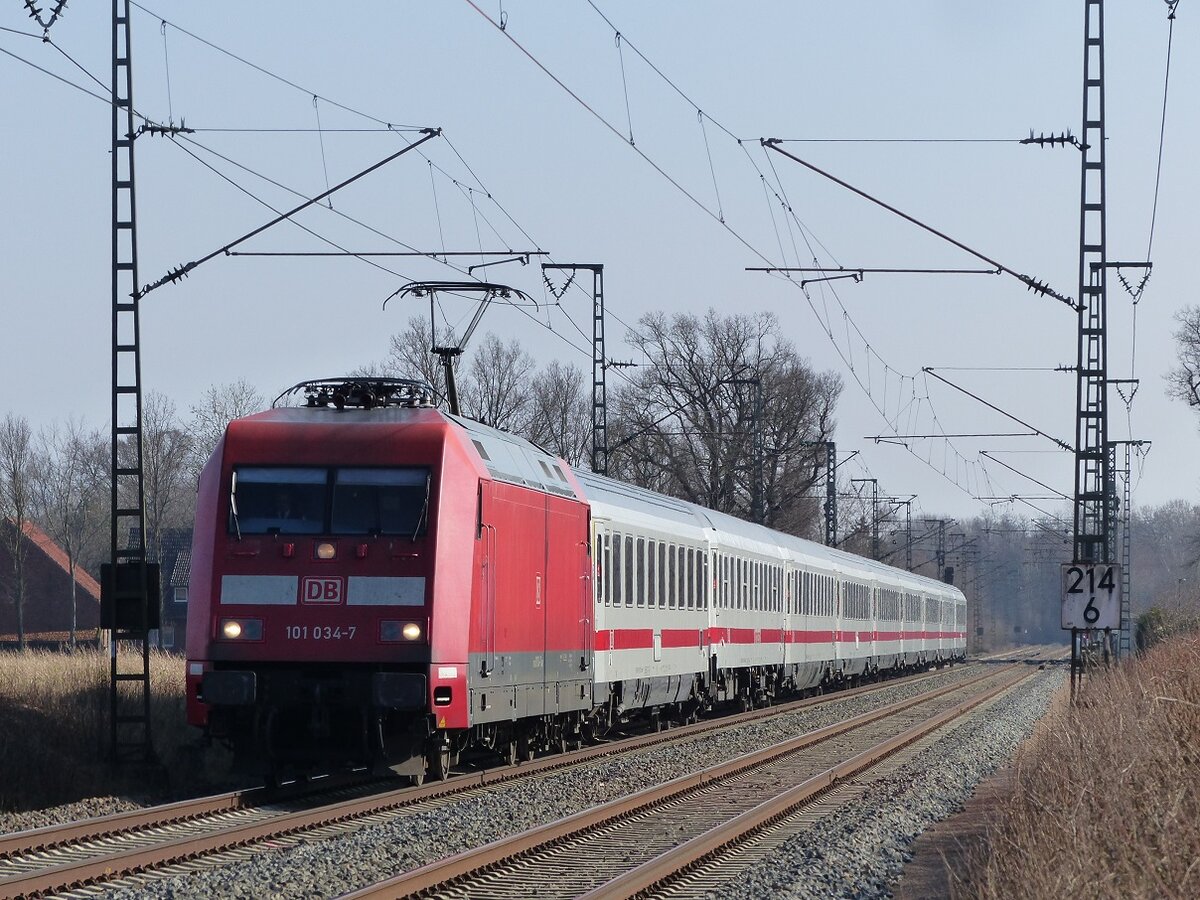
x: 58, y: 556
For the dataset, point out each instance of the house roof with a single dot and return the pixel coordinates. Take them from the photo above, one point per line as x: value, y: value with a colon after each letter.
x: 58, y: 556
x: 183, y: 568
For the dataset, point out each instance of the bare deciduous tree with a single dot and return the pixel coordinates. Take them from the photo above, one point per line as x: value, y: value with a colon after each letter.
x: 168, y: 484
x: 71, y: 495
x: 1183, y: 381
x: 686, y: 426
x: 496, y: 391
x: 560, y: 414
x: 17, y: 472
x: 410, y: 357
x: 221, y: 404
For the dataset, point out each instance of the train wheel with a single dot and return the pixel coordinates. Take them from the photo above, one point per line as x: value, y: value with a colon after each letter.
x: 511, y: 753
x: 439, y: 762
x: 415, y: 780
x: 524, y: 749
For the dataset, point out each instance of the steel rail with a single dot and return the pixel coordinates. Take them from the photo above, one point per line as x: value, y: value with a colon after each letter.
x: 427, y: 878
x: 664, y: 867
x: 22, y: 843
x: 108, y: 864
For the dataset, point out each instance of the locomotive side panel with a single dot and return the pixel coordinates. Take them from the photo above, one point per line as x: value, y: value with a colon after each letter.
x: 508, y: 661
x: 568, y: 606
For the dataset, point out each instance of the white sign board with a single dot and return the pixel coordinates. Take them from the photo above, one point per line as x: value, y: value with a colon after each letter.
x: 1091, y: 595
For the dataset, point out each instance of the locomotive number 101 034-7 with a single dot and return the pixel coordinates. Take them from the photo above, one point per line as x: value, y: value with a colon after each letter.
x: 320, y: 632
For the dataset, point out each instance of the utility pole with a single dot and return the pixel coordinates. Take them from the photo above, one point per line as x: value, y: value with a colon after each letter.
x: 129, y: 582
x: 1092, y: 476
x: 941, y: 545
x: 908, y: 542
x: 831, y: 521
x: 830, y: 510
x: 599, y: 363
x: 874, y: 482
x: 1122, y: 516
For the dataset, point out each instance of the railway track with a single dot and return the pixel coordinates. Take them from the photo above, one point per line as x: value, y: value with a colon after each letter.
x: 633, y: 845
x: 190, y: 835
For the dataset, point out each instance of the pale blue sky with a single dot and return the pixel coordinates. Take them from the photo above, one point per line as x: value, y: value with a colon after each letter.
x: 789, y: 70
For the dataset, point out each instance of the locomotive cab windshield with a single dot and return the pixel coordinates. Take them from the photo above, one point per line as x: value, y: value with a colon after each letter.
x: 342, y: 501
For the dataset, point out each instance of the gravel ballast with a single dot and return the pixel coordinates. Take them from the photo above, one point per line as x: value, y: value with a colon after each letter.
x: 435, y: 829
x: 860, y: 850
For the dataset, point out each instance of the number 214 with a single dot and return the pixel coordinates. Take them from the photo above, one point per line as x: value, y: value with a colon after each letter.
x: 1105, y: 583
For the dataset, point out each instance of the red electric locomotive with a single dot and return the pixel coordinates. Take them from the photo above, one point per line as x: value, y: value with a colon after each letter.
x: 346, y: 577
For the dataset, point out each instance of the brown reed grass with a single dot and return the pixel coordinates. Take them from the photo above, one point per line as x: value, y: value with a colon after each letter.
x: 54, y: 732
x: 1107, y: 797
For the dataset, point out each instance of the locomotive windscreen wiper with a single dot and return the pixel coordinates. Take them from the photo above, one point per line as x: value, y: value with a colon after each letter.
x: 424, y: 508
x: 233, y: 513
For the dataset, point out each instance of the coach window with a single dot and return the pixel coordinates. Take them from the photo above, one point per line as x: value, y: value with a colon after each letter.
x: 702, y: 573
x: 683, y: 584
x: 672, y: 576
x: 606, y: 563
x: 640, y: 574
x: 599, y: 572
x: 651, y: 575
x: 629, y: 570
x: 729, y: 587
x: 639, y: 580
x: 663, y: 574
x: 615, y: 582
x: 690, y: 577
x: 612, y: 559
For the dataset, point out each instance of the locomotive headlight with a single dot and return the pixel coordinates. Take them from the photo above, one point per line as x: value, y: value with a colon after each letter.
x: 326, y: 550
x: 401, y: 632
x: 241, y: 629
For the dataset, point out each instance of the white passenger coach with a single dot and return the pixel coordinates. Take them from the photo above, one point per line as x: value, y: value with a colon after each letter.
x: 684, y: 595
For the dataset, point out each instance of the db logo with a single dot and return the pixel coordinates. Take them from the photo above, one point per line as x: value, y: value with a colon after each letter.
x: 325, y: 589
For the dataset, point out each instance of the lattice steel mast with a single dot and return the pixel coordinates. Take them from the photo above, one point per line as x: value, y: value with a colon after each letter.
x: 1093, y: 537
x: 130, y: 583
x: 599, y: 363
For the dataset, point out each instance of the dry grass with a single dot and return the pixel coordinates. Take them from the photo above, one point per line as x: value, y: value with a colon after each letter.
x: 54, y: 732
x: 1107, y: 802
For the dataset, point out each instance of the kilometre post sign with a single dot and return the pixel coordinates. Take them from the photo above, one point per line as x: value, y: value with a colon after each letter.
x: 1091, y: 595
